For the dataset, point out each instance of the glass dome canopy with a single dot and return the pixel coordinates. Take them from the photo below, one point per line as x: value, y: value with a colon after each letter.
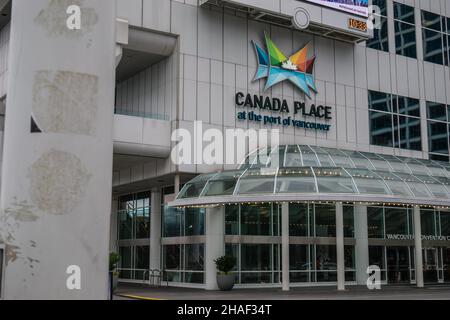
x: 310, y: 173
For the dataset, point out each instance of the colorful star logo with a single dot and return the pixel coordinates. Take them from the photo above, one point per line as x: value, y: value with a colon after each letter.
x: 274, y: 66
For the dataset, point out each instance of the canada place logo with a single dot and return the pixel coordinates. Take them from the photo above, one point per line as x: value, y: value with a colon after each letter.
x: 274, y: 66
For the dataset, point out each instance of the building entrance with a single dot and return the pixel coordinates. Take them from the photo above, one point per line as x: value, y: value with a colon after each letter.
x: 446, y: 264
x: 398, y: 265
x: 430, y: 258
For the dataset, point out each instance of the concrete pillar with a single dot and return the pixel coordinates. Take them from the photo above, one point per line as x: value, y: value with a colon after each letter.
x: 418, y: 247
x: 215, y: 244
x: 340, y: 246
x: 362, y: 244
x: 285, y: 245
x: 155, y: 230
x: 57, y: 162
x: 177, y: 184
x: 113, y: 225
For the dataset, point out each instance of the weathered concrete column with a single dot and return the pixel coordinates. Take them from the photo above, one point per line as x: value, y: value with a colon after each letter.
x: 215, y: 244
x: 340, y: 246
x: 418, y: 247
x: 285, y: 246
x: 57, y: 162
x: 177, y: 184
x: 155, y: 230
x: 362, y: 244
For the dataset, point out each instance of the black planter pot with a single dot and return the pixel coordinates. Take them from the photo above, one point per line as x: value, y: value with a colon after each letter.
x: 225, y: 282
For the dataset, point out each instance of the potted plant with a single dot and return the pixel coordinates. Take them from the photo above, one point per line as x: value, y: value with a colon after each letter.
x: 225, y: 279
x: 114, y: 259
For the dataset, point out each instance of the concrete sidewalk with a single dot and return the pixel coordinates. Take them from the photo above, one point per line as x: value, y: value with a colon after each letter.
x: 316, y: 293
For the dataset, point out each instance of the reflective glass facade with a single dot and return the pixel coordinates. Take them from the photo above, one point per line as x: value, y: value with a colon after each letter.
x: 133, y: 226
x: 405, y: 30
x: 394, y: 121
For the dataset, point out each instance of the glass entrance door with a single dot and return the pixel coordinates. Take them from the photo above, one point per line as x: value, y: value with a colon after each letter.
x: 398, y: 265
x: 446, y: 264
x: 430, y: 265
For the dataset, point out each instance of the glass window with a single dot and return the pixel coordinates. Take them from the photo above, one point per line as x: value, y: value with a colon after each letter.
x: 381, y: 129
x: 427, y: 220
x: 349, y: 261
x: 326, y: 263
x: 256, y: 257
x: 382, y: 5
x: 408, y: 106
x: 172, y: 221
x: 375, y: 223
x: 126, y: 261
x: 299, y: 263
x: 299, y: 220
x: 172, y: 257
x: 141, y: 261
x: 194, y: 224
x: 436, y: 111
x: 445, y: 223
x: 232, y: 250
x: 380, y: 40
x: 438, y: 137
x: 396, y: 221
x: 380, y: 101
x: 194, y: 257
x: 256, y: 220
x: 133, y: 217
x: 349, y: 222
x: 407, y: 133
x: 431, y: 21
x: 325, y: 218
x: 232, y: 220
x: 125, y: 225
x: 433, y: 46
x: 405, y: 30
x: 377, y: 258
x: 143, y: 223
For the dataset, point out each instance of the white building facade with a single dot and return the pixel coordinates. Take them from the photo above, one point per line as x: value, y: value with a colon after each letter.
x: 376, y: 107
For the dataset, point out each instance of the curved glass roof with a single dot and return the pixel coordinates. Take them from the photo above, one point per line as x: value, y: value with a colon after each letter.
x: 310, y: 173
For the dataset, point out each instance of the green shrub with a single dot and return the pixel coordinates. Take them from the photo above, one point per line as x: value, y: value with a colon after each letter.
x: 225, y: 264
x: 114, y: 259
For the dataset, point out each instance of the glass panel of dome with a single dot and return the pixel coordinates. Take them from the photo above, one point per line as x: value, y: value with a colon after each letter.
x: 362, y: 163
x: 277, y: 157
x: 417, y: 187
x: 256, y: 181
x: 378, y: 162
x: 439, y: 191
x: 418, y: 166
x: 309, y: 157
x: 194, y: 187
x: 396, y: 164
x: 222, y: 184
x: 367, y: 182
x: 260, y: 158
x: 334, y: 180
x: 397, y: 186
x: 444, y: 180
x: 293, y: 157
x: 324, y: 158
x: 340, y: 158
x: 296, y: 180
